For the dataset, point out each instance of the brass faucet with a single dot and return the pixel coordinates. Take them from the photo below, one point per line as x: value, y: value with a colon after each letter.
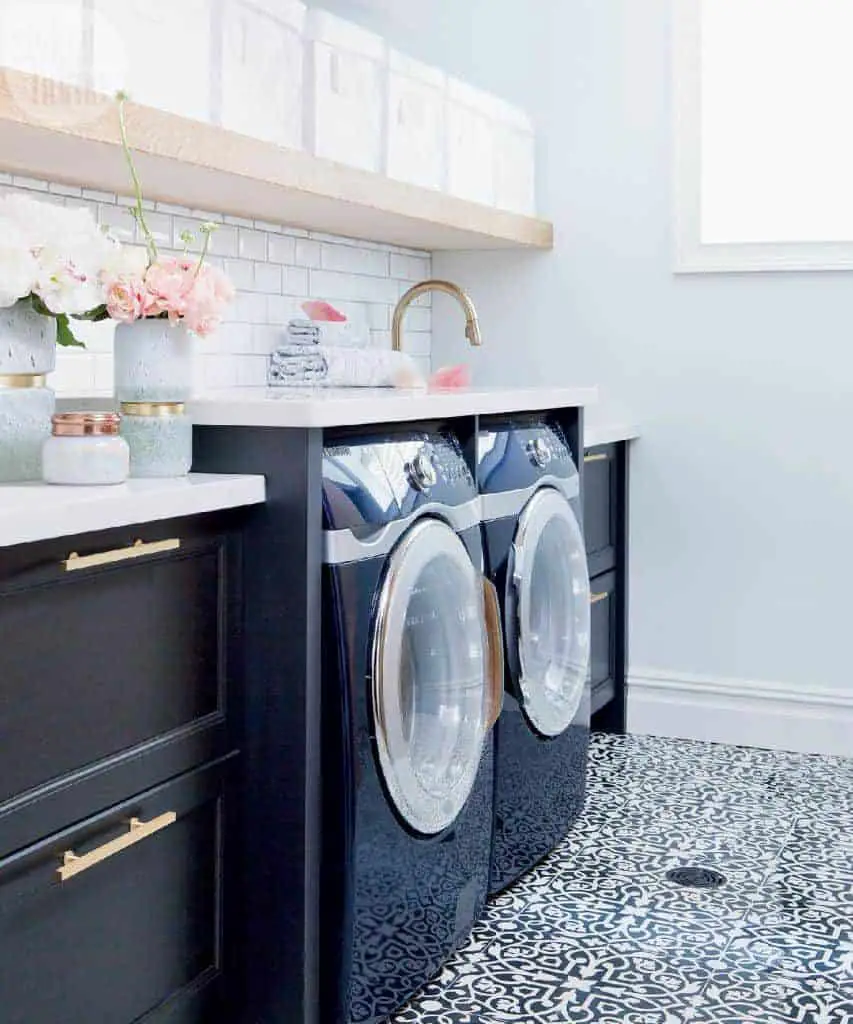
x: 472, y: 326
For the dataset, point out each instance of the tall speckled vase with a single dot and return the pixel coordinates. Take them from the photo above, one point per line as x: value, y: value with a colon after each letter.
x: 27, y: 356
x: 153, y: 362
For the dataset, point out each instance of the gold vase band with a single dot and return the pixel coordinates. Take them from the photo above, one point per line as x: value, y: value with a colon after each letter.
x: 153, y: 408
x: 23, y: 380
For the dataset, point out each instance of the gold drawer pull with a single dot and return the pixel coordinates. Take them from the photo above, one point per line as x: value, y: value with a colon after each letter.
x: 137, y: 550
x: 72, y: 864
x: 597, y: 598
x: 600, y: 457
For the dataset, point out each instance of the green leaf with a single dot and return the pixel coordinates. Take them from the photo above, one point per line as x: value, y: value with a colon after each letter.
x: 93, y: 315
x: 64, y: 334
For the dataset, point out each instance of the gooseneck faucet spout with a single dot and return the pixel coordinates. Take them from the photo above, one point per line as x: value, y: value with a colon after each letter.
x: 472, y: 326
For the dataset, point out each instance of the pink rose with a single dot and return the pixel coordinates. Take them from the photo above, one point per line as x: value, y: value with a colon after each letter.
x: 126, y: 298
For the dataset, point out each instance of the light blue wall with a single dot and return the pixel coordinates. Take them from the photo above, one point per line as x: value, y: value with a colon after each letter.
x: 742, y: 493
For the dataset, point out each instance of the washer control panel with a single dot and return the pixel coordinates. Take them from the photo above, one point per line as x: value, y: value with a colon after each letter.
x: 423, y: 475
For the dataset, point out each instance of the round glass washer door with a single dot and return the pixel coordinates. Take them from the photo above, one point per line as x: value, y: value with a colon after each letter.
x: 430, y: 687
x: 549, y: 607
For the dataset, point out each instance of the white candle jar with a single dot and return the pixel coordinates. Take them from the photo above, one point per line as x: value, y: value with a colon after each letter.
x: 160, y: 437
x: 85, y: 449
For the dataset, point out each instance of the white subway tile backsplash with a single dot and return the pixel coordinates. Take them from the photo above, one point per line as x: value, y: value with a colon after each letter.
x: 333, y: 285
x: 268, y: 278
x: 253, y: 244
x: 379, y: 317
x: 241, y: 273
x: 33, y: 184
x: 65, y: 190
x: 250, y: 308
x: 274, y: 269
x: 352, y: 260
x: 241, y: 222
x: 75, y: 372
x: 409, y: 268
x: 418, y: 318
x: 234, y: 339
x: 104, y: 378
x: 252, y: 371
x: 266, y: 337
x: 416, y: 343
x: 223, y: 241
x: 307, y: 253
x: 281, y: 308
x: 295, y: 281
x: 282, y: 249
x: 97, y: 196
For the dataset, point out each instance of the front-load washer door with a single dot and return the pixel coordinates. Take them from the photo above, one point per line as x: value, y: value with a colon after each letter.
x: 430, y: 686
x: 548, y: 628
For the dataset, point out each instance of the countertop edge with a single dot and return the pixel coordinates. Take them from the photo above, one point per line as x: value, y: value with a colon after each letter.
x: 34, y: 512
x: 596, y: 434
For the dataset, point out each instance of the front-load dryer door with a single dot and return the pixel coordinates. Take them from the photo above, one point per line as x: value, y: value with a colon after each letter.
x: 430, y: 687
x: 548, y: 615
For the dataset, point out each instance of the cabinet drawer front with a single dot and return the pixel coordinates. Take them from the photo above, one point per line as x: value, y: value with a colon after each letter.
x: 599, y: 507
x: 603, y: 632
x: 136, y: 930
x: 103, y: 659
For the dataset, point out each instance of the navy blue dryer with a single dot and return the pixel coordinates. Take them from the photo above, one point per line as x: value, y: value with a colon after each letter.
x: 536, y: 558
x: 412, y: 684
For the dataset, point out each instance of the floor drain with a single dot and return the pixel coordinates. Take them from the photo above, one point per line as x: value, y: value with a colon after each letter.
x: 696, y: 878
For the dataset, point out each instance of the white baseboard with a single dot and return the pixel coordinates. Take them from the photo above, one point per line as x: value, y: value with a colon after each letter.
x: 754, y: 714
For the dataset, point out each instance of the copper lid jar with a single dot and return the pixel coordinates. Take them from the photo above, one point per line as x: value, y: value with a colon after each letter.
x: 85, y: 449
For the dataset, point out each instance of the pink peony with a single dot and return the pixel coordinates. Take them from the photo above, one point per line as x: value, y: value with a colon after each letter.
x: 168, y: 282
x: 126, y: 298
x: 210, y: 293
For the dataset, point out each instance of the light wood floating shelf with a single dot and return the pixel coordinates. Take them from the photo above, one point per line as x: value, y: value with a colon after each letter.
x: 70, y: 135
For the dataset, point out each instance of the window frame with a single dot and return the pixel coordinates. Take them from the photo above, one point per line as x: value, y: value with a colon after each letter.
x: 690, y: 254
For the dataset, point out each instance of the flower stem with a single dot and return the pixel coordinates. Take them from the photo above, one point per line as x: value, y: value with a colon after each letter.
x: 207, y: 230
x: 139, y: 213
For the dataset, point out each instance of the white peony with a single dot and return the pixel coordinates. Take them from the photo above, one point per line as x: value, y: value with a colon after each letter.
x: 18, y: 267
x: 69, y: 249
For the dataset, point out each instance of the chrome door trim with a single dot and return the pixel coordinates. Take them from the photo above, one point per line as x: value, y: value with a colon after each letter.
x: 518, y: 599
x: 342, y: 546
x: 397, y: 774
x: 506, y: 504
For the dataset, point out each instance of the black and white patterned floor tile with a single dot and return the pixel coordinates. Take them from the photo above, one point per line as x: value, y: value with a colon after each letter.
x: 595, y: 934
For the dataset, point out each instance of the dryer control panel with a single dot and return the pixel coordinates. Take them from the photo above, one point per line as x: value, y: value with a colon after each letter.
x: 372, y: 480
x: 517, y: 455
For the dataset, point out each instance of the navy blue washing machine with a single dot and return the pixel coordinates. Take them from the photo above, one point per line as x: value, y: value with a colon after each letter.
x: 412, y: 686
x: 536, y: 558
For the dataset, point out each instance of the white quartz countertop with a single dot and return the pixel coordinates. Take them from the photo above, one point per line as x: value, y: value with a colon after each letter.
x: 36, y: 511
x: 333, y: 407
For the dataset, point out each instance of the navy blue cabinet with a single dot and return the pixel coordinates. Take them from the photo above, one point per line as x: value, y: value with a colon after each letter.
x: 119, y: 670
x: 605, y: 499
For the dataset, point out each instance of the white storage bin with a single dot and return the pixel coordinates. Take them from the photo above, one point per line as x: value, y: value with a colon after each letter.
x: 158, y: 51
x: 471, y: 116
x: 43, y: 39
x: 415, y: 150
x: 515, y: 160
x: 346, y: 78
x: 262, y: 69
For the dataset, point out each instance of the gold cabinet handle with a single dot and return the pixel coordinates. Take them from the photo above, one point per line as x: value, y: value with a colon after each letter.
x: 600, y: 457
x: 496, y: 652
x: 597, y: 598
x: 137, y: 550
x: 72, y: 864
